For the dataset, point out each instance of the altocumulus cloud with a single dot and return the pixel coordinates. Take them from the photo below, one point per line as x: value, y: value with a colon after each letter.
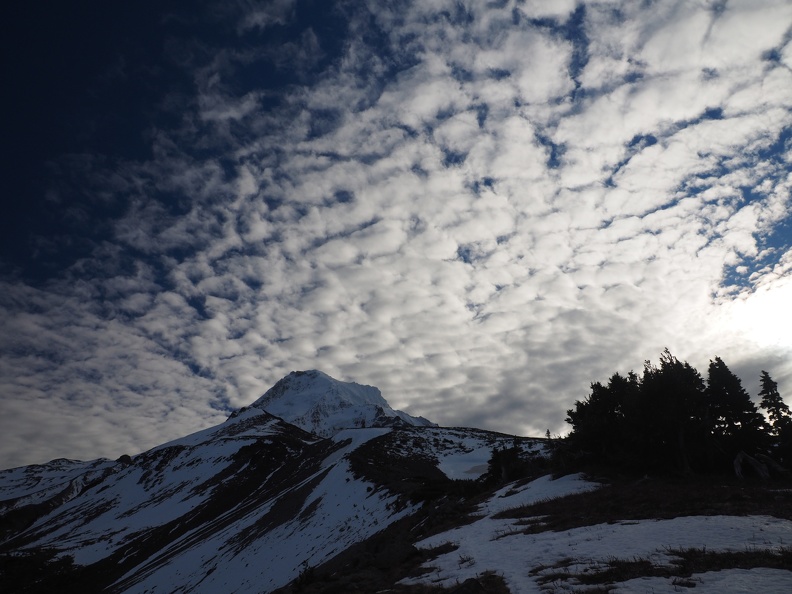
x: 477, y: 207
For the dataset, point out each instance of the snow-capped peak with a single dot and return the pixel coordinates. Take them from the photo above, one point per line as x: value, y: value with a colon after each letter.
x: 318, y: 403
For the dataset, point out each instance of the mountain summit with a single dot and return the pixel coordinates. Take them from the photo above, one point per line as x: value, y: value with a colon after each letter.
x: 320, y: 404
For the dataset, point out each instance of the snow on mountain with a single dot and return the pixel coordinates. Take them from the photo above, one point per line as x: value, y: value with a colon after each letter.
x: 460, y: 453
x: 27, y: 485
x: 244, y: 507
x: 320, y: 404
x: 264, y: 503
x: 265, y: 542
x: 524, y: 559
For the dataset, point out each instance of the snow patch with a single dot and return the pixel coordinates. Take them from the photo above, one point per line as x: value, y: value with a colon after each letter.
x: 500, y: 545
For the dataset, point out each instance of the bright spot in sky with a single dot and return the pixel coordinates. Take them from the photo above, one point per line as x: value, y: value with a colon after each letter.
x: 765, y: 316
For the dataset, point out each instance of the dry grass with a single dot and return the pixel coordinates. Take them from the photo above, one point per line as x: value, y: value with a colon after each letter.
x: 685, y: 563
x: 622, y: 500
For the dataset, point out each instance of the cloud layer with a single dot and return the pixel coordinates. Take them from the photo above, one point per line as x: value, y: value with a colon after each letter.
x: 478, y: 208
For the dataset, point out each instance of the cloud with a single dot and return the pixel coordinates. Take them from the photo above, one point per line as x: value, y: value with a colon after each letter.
x: 88, y: 383
x: 262, y: 15
x: 478, y: 209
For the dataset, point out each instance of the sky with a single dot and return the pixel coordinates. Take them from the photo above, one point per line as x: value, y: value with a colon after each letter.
x: 478, y: 207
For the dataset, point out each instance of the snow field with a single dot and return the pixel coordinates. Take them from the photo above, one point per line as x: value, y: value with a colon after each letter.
x: 340, y: 511
x: 733, y: 581
x: 497, y: 545
x: 331, y: 520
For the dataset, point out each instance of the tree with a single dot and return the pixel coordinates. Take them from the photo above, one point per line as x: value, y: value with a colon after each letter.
x: 598, y: 422
x: 780, y: 419
x: 508, y: 464
x: 673, y: 412
x: 736, y: 422
x: 669, y: 419
x: 776, y: 408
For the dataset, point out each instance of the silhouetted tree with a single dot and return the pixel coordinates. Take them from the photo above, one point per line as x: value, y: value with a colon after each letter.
x: 776, y: 408
x: 649, y: 423
x: 598, y: 419
x: 780, y: 419
x: 670, y: 420
x: 674, y: 413
x: 507, y: 464
x: 736, y: 422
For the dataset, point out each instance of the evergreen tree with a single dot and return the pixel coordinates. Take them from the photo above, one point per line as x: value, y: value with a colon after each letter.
x: 775, y: 406
x: 780, y: 419
x: 651, y: 423
x: 669, y: 419
x: 736, y: 422
x: 673, y: 413
x: 600, y: 423
x: 508, y: 464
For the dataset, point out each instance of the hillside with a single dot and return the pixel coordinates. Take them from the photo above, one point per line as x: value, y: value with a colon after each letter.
x: 572, y: 534
x: 258, y: 504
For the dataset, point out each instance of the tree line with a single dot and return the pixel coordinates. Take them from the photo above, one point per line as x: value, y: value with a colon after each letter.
x: 670, y: 419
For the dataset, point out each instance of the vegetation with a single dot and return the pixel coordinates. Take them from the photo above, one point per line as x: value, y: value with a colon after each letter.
x: 662, y: 498
x: 512, y: 463
x: 684, y: 564
x: 669, y: 419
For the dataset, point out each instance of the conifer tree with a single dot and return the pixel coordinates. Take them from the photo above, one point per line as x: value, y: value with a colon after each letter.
x: 777, y: 409
x: 603, y: 422
x: 596, y: 420
x: 780, y: 420
x: 669, y: 419
x: 673, y: 412
x: 735, y: 419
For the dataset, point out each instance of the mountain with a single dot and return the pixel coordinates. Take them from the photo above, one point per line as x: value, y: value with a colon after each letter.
x: 323, y: 405
x: 259, y: 504
x: 246, y: 506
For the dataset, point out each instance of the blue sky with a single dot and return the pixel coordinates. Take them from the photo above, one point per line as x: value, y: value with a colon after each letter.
x: 477, y: 207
